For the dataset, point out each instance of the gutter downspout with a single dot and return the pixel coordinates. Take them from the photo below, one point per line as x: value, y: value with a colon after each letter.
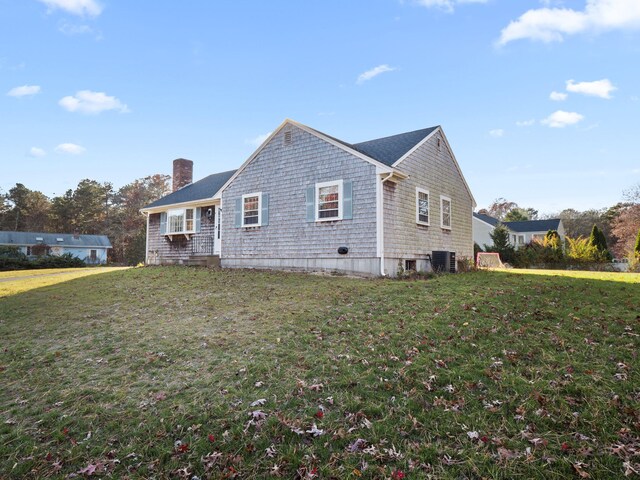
x: 380, y: 207
x: 146, y: 245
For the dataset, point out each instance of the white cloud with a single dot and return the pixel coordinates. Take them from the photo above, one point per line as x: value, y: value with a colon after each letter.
x: 72, y: 29
x: 558, y: 96
x: 36, y: 152
x: 599, y: 88
x: 374, y: 72
x: 446, y: 5
x: 70, y: 148
x: 525, y: 123
x: 259, y: 140
x: 24, y: 91
x: 561, y: 119
x: 497, y: 133
x: 86, y: 101
x: 76, y: 7
x: 554, y: 24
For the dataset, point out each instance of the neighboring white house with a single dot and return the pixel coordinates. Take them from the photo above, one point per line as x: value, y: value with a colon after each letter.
x: 90, y: 248
x: 308, y: 201
x: 520, y: 233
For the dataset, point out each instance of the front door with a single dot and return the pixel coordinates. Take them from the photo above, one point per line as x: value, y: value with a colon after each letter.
x: 216, y: 227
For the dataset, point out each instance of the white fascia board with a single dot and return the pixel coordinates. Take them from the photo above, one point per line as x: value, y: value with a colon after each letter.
x: 455, y: 161
x: 311, y: 131
x: 218, y: 194
x: 205, y: 202
x: 342, y: 146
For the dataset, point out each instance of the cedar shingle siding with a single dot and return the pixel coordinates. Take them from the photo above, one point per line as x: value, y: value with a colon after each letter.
x: 178, y: 250
x: 432, y: 168
x: 285, y: 172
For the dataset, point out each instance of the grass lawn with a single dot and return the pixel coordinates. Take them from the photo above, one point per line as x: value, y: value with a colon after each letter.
x: 181, y: 372
x: 18, y: 281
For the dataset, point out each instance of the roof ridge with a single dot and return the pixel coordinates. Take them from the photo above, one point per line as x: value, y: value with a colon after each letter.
x: 398, y: 134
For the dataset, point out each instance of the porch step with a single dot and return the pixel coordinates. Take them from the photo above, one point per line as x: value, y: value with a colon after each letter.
x: 203, y: 261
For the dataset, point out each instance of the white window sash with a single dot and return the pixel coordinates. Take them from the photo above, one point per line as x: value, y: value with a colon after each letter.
x: 258, y: 195
x: 424, y: 192
x: 175, y: 226
x: 444, y: 200
x: 334, y: 183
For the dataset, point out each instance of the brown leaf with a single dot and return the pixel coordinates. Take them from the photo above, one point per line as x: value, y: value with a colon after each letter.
x: 579, y: 468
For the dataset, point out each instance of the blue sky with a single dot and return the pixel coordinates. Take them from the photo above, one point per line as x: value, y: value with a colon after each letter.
x: 540, y: 100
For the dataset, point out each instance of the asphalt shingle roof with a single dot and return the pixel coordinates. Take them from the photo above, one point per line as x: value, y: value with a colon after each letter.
x: 523, y: 226
x: 200, y: 190
x: 486, y: 218
x: 389, y: 150
x: 51, y: 239
x: 534, y: 225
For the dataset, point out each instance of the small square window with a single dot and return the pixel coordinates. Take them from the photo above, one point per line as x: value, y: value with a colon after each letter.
x: 410, y: 265
x: 329, y: 201
x: 251, y: 210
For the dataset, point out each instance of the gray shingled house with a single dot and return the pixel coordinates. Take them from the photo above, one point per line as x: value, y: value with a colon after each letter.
x: 520, y: 233
x: 305, y: 200
x: 90, y: 248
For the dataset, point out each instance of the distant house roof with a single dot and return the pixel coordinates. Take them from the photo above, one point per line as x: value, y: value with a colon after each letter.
x: 200, y: 190
x: 534, y: 225
x: 389, y: 150
x: 486, y: 218
x: 524, y: 226
x: 53, y: 239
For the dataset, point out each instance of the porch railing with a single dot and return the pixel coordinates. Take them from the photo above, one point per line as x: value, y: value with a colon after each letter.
x: 202, y: 245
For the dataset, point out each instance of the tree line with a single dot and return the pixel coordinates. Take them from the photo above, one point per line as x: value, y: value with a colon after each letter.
x: 92, y: 208
x: 619, y: 224
x: 97, y: 208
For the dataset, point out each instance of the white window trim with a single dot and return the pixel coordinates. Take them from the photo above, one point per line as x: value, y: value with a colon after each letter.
x: 252, y: 225
x: 340, y: 200
x: 418, y: 192
x: 444, y: 198
x: 183, y: 212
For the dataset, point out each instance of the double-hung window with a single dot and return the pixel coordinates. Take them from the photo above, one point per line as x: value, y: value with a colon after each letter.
x: 445, y: 212
x: 329, y: 198
x: 181, y: 220
x: 252, y: 210
x: 422, y: 206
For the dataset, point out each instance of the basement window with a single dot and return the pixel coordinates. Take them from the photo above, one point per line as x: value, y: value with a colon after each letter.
x: 410, y: 265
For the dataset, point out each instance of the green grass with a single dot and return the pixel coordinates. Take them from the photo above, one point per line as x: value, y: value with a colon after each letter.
x: 19, y: 281
x: 151, y: 373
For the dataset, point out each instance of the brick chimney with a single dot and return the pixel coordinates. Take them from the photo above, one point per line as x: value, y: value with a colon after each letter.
x: 182, y: 173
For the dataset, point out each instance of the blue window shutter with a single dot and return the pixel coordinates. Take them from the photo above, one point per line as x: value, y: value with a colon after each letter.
x: 347, y: 200
x: 238, y: 212
x: 311, y: 204
x: 163, y: 223
x: 198, y: 213
x: 265, y: 209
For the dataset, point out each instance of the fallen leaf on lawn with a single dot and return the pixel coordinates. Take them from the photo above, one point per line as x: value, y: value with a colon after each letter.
x: 259, y: 402
x: 579, y: 468
x: 315, y: 431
